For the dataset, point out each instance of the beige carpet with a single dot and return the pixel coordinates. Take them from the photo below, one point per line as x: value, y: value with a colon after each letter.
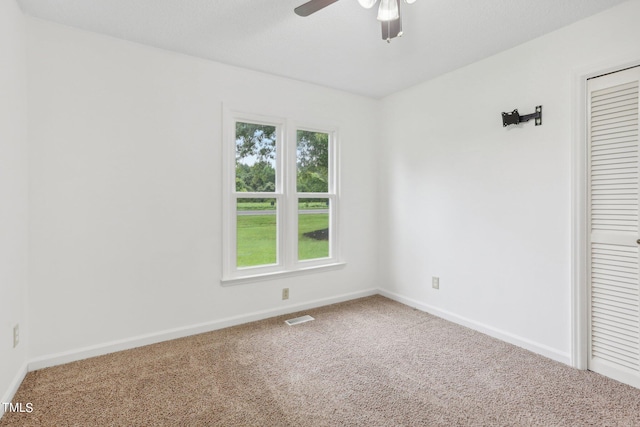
x: 369, y: 362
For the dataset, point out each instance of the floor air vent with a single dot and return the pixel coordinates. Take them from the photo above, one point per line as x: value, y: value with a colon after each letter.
x: 298, y: 320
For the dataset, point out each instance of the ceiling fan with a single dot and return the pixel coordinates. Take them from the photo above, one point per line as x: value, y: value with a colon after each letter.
x: 388, y: 13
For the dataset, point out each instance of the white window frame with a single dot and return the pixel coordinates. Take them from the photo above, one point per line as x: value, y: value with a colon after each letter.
x: 286, y: 196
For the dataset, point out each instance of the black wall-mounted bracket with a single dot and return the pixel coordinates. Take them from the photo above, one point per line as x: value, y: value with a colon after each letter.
x: 513, y: 118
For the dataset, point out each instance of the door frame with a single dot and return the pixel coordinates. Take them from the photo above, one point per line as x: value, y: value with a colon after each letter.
x: 579, y: 209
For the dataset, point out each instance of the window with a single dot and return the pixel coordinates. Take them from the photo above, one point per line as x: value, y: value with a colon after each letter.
x: 281, y: 200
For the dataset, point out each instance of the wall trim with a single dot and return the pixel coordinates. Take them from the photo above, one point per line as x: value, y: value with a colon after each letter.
x: 510, y: 338
x: 13, y: 387
x: 157, y: 337
x: 170, y: 334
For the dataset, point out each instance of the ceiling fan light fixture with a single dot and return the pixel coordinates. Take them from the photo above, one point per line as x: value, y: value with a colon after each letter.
x: 367, y: 4
x: 409, y: 1
x: 388, y: 10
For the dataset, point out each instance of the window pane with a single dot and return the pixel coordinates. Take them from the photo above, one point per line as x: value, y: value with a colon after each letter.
x: 313, y: 228
x: 312, y: 162
x: 256, y: 232
x: 255, y: 157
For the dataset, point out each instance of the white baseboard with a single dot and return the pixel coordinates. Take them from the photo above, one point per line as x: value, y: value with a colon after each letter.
x: 156, y: 337
x: 13, y: 387
x: 153, y: 338
x: 541, y: 349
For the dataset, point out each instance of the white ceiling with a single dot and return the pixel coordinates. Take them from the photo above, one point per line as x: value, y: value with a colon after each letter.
x: 339, y: 46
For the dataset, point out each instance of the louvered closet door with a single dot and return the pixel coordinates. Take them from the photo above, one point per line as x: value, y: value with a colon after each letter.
x: 614, y: 311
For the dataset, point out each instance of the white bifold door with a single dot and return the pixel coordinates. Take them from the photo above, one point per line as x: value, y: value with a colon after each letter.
x: 614, y: 236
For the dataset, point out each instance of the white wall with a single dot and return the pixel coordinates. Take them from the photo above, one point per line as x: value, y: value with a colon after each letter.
x: 13, y: 196
x: 488, y: 209
x: 126, y: 191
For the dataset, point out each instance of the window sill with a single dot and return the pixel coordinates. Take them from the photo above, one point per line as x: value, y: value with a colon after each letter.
x: 281, y: 274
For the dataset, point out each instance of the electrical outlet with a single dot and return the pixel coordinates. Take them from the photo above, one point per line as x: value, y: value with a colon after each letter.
x: 285, y: 293
x: 16, y: 335
x: 435, y: 282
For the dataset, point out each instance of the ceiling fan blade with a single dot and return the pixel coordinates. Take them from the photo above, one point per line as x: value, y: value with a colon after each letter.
x: 392, y: 29
x: 312, y: 6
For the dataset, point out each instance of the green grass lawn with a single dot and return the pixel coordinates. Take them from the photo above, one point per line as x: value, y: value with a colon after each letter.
x: 266, y: 206
x: 255, y: 206
x: 309, y: 248
x: 257, y: 238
